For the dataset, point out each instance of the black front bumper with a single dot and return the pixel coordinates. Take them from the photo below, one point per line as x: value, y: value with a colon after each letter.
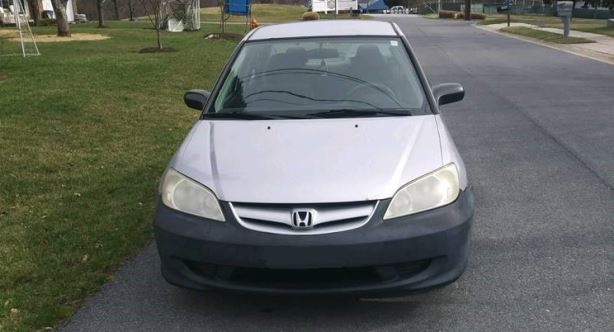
x: 408, y: 253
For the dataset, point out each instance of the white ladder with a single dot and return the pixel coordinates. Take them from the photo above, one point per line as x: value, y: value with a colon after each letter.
x: 28, y: 47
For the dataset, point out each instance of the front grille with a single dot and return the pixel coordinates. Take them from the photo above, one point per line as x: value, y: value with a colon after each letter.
x: 313, y: 278
x: 328, y: 217
x: 320, y: 278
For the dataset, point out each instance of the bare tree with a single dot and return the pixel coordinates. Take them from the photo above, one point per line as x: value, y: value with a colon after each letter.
x: 36, y: 9
x: 156, y: 13
x: 99, y: 4
x: 61, y: 19
x: 131, y: 9
x: 115, y: 9
x: 223, y: 16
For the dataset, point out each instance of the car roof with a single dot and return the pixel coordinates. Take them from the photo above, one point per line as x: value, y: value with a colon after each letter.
x: 324, y: 28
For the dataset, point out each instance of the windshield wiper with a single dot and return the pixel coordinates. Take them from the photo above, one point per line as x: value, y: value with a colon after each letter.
x: 358, y: 113
x: 249, y: 116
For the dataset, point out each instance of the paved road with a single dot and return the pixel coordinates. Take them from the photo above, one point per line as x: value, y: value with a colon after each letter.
x: 537, y: 134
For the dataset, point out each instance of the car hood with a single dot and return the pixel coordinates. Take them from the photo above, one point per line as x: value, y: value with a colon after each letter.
x: 309, y: 161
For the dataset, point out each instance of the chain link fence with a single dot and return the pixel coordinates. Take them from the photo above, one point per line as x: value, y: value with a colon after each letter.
x: 518, y: 8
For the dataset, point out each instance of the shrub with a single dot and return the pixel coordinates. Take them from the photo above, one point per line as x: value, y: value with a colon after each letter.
x: 311, y: 16
x: 474, y: 16
x: 253, y: 24
x: 446, y: 14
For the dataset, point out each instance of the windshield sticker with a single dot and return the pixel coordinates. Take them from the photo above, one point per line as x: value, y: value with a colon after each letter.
x: 394, y: 43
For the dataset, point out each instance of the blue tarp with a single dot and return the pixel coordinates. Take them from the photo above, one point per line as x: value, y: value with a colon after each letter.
x: 372, y: 5
x: 237, y: 7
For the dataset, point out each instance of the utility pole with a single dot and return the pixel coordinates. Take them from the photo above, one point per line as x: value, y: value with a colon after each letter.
x: 509, y: 13
x: 467, y: 10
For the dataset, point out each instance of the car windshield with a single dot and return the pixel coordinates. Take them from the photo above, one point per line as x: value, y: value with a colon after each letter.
x: 320, y: 77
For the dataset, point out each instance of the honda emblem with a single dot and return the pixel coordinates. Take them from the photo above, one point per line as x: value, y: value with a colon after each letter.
x: 303, y: 218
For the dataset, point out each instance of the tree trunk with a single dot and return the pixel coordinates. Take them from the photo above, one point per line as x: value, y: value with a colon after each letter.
x: 468, y: 10
x: 100, y: 13
x: 222, y: 23
x: 158, y: 36
x: 61, y: 19
x: 75, y: 10
x: 131, y: 10
x: 36, y: 9
x: 116, y: 10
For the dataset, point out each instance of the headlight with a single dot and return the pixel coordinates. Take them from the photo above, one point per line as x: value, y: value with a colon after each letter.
x: 181, y: 193
x: 430, y: 191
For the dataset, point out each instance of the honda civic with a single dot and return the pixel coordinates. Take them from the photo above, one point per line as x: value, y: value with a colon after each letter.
x: 320, y: 164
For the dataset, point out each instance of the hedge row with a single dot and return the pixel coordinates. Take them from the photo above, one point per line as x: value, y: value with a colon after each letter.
x: 446, y: 14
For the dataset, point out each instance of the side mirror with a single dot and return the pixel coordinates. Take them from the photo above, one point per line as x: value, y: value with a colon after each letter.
x: 446, y: 93
x: 196, y: 99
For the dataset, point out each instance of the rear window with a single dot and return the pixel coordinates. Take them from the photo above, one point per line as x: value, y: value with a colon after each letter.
x: 302, y: 76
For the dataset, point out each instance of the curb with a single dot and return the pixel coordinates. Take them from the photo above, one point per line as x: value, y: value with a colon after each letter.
x: 552, y: 46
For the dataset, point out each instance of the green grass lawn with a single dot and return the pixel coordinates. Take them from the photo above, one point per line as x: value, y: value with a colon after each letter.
x: 270, y: 13
x: 579, y: 24
x: 546, y: 36
x: 497, y: 19
x: 261, y: 12
x: 86, y: 130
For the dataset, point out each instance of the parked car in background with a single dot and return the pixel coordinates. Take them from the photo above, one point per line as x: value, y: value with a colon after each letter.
x: 399, y: 10
x: 320, y: 164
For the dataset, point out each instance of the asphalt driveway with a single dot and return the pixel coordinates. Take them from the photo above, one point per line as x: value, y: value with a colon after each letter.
x: 536, y: 131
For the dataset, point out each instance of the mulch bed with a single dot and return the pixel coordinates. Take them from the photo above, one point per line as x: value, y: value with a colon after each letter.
x: 157, y: 50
